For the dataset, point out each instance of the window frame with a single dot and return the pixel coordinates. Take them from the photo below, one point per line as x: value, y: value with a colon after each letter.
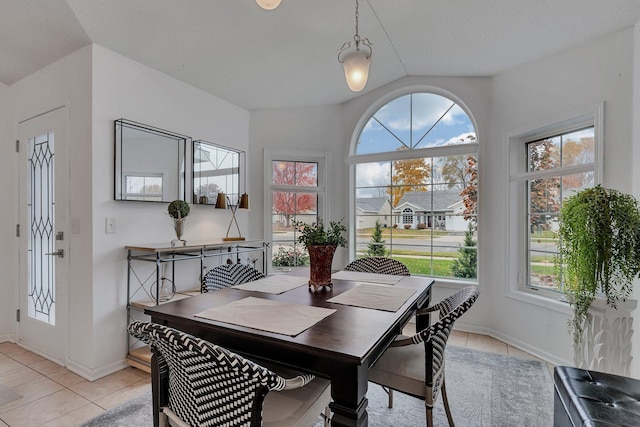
x: 517, y: 282
x: 474, y: 148
x: 321, y: 158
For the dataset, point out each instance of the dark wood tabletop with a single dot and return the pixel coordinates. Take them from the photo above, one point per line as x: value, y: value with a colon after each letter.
x: 341, y: 347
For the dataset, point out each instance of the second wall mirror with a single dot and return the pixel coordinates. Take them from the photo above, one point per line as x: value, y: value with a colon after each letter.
x: 216, y: 169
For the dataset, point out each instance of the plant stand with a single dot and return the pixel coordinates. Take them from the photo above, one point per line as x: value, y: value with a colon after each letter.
x: 606, y: 341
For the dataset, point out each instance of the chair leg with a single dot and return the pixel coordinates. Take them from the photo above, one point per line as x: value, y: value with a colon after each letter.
x: 327, y: 416
x: 429, y: 412
x: 445, y: 401
x: 389, y: 394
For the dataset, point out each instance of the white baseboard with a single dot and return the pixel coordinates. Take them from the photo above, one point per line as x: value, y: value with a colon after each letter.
x: 95, y: 374
x: 7, y: 338
x: 521, y: 345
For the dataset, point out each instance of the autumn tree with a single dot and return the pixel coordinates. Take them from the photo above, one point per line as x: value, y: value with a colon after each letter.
x: 544, y: 193
x: 577, y: 153
x: 469, y: 193
x: 299, y: 174
x: 408, y: 175
x: 454, y: 171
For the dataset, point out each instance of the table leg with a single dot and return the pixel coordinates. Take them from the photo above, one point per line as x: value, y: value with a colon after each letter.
x: 349, y: 394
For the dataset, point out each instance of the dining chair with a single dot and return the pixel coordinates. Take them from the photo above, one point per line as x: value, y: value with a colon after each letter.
x: 402, y: 366
x: 226, y: 275
x: 208, y: 385
x: 379, y: 265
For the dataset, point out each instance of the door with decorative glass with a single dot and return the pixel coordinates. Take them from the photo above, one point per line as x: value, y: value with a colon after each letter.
x: 44, y: 248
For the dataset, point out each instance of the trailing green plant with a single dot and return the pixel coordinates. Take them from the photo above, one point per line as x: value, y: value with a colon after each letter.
x: 376, y: 247
x: 599, y: 232
x: 316, y: 233
x: 178, y: 209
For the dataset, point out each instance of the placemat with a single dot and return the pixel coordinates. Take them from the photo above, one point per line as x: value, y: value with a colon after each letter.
x: 377, y: 297
x: 275, y: 284
x: 357, y: 276
x: 267, y: 315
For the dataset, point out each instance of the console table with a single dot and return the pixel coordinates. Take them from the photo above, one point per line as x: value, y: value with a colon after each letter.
x: 145, y: 291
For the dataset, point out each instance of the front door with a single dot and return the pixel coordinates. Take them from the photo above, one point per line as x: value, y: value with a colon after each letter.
x: 44, y: 248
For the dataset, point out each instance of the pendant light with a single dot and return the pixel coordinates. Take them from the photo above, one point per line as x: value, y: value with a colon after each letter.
x: 356, y: 58
x: 268, y: 4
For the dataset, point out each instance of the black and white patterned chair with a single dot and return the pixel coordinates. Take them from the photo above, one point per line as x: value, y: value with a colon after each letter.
x: 211, y: 386
x: 226, y: 275
x: 379, y: 265
x: 402, y: 366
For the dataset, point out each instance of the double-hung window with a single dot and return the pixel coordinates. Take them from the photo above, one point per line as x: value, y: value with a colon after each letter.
x: 558, y: 161
x: 296, y: 192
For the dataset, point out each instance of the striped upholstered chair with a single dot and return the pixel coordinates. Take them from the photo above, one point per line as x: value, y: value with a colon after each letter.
x: 379, y: 265
x: 402, y: 366
x: 208, y: 385
x: 226, y: 275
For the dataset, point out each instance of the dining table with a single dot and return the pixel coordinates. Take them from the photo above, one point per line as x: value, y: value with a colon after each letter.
x: 337, y: 333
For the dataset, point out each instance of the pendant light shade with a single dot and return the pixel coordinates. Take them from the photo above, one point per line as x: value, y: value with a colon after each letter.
x: 356, y: 70
x: 355, y: 56
x: 268, y: 4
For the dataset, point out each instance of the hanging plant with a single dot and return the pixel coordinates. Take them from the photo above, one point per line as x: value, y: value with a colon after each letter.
x: 599, y: 232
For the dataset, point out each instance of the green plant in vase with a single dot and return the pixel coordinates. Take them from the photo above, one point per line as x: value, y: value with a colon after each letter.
x: 321, y: 243
x: 178, y: 210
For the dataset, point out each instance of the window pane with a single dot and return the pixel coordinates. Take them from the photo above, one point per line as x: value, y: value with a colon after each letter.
x: 578, y: 148
x: 300, y: 174
x: 418, y: 120
x: 544, y: 195
x: 543, y: 155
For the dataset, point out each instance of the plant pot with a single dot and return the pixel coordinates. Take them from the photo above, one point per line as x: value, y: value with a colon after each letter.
x: 321, y: 259
x: 605, y: 345
x: 178, y: 225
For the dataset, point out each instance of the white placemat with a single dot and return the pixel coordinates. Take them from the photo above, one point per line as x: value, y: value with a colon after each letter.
x: 267, y: 315
x: 275, y: 284
x: 357, y: 276
x: 385, y: 298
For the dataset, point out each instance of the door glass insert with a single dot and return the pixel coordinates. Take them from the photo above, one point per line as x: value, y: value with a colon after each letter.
x: 41, y: 220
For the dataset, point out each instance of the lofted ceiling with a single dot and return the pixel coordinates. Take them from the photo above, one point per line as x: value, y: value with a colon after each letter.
x: 287, y: 57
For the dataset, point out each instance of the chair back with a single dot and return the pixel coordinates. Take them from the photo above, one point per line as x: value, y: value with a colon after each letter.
x: 208, y: 385
x: 379, y: 265
x: 226, y: 275
x: 450, y: 309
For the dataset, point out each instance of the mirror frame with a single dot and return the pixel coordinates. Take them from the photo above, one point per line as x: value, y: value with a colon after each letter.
x: 120, y: 140
x: 227, y: 169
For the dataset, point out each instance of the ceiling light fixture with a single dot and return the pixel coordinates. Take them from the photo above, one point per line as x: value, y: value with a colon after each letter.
x: 356, y: 58
x: 268, y: 4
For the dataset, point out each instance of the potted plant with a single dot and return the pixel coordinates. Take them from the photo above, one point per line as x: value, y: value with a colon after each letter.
x: 178, y: 210
x: 321, y: 243
x: 599, y: 231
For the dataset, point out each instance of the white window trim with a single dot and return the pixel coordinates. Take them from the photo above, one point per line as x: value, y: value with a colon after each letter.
x: 322, y: 189
x: 515, y: 205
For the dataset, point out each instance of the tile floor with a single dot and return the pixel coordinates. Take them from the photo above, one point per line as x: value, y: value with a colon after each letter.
x: 35, y: 392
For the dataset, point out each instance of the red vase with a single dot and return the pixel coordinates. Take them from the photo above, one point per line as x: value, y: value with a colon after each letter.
x: 321, y: 258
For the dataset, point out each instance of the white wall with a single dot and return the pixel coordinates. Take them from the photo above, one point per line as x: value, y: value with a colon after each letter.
x: 541, y: 92
x: 126, y: 89
x: 635, y: 160
x: 8, y: 216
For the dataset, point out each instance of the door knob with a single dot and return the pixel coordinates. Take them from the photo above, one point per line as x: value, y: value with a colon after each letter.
x: 58, y: 253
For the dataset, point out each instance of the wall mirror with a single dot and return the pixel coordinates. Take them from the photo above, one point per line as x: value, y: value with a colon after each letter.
x: 149, y: 163
x: 216, y: 169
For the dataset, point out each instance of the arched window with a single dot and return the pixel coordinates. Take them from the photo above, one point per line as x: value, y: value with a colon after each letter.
x: 416, y: 156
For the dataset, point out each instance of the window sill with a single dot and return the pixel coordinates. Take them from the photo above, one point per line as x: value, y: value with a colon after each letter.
x: 543, y: 301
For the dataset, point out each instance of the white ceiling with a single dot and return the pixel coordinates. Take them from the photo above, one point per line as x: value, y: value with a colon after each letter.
x: 288, y: 57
